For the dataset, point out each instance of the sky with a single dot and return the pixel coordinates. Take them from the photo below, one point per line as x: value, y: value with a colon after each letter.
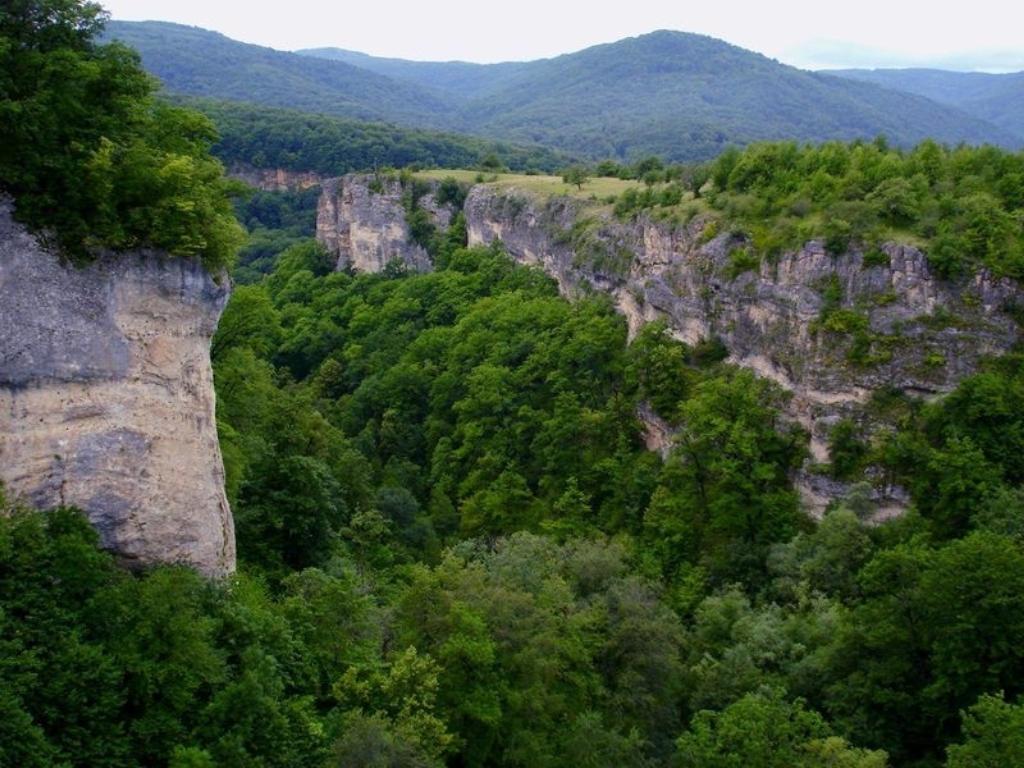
x: 983, y: 35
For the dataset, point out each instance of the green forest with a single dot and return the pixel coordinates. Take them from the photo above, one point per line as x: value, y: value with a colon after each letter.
x: 992, y: 97
x: 456, y: 551
x: 455, y: 548
x: 91, y: 155
x: 965, y: 205
x: 264, y: 137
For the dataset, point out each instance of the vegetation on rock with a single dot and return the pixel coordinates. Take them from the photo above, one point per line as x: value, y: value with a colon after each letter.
x: 90, y: 155
x: 964, y: 206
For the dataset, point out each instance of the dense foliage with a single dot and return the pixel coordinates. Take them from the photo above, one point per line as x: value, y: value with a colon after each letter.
x: 264, y: 137
x: 464, y: 397
x: 964, y: 206
x: 275, y: 221
x: 683, y: 96
x: 88, y: 153
x: 456, y: 550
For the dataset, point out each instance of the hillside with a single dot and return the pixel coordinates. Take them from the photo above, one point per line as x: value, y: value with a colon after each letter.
x: 686, y: 96
x: 461, y: 79
x: 268, y: 137
x: 996, y: 98
x: 198, y: 62
x: 679, y: 95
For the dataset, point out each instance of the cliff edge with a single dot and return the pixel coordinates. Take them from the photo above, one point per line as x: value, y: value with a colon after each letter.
x: 107, y: 400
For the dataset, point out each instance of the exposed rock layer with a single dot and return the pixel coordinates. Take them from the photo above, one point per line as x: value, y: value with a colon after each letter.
x: 106, y: 398
x: 904, y: 327
x: 361, y: 221
x: 894, y: 324
x: 275, y: 179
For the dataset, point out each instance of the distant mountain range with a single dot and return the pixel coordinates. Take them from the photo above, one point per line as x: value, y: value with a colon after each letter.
x: 997, y: 99
x: 674, y: 94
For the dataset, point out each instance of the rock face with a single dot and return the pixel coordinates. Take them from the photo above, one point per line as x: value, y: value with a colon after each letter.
x: 275, y: 179
x: 361, y: 221
x: 106, y: 398
x: 830, y: 329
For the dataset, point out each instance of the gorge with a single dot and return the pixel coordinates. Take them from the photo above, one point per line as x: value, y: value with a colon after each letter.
x: 830, y: 329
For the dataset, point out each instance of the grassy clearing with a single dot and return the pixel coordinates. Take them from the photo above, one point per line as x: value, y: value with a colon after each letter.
x: 600, y: 188
x: 443, y: 173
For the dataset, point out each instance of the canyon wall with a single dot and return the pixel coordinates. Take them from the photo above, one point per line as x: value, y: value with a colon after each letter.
x: 361, y: 221
x: 831, y: 329
x: 107, y: 401
x: 275, y: 179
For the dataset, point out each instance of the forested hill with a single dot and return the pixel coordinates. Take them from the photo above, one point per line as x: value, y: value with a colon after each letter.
x: 996, y: 98
x: 460, y: 78
x: 267, y: 137
x: 679, y: 95
x: 199, y: 62
x: 682, y: 95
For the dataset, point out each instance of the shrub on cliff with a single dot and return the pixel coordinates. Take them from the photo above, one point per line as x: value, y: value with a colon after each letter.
x: 87, y: 152
x: 965, y: 205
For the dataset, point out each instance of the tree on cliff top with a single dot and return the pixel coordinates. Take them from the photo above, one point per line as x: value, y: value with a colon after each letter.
x: 90, y: 155
x: 576, y: 175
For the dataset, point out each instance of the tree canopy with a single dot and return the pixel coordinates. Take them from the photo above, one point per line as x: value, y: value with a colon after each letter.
x: 87, y: 152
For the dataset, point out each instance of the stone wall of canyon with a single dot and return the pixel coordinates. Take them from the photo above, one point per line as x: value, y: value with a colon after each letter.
x: 894, y: 324
x: 361, y: 221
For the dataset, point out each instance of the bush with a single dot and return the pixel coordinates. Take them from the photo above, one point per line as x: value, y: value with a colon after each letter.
x: 838, y: 233
x: 451, y: 192
x: 742, y: 260
x: 576, y: 175
x: 846, y: 450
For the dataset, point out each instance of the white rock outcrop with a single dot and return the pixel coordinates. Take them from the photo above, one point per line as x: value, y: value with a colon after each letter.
x: 107, y: 400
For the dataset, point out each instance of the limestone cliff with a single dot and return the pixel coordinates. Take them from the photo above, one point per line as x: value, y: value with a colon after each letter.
x: 106, y: 398
x: 361, y: 221
x: 830, y: 329
x: 900, y: 326
x: 275, y: 179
